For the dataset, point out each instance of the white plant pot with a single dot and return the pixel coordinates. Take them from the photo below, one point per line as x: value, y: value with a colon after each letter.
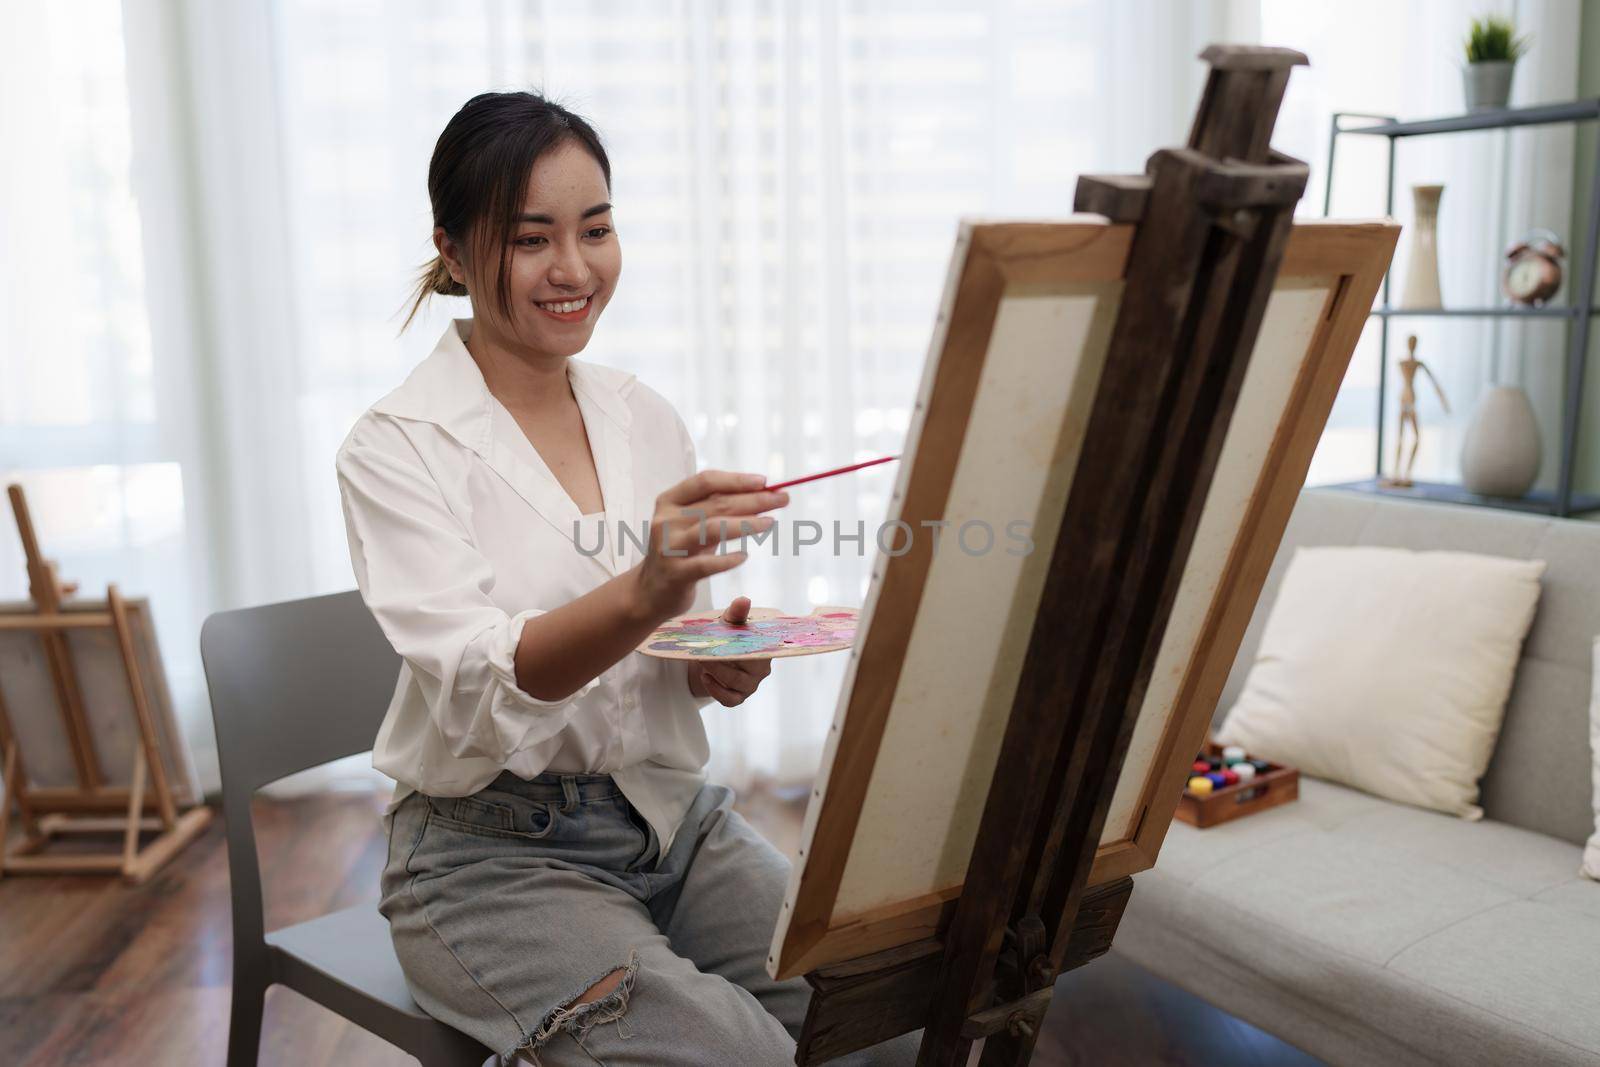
x: 1488, y: 85
x: 1501, y: 453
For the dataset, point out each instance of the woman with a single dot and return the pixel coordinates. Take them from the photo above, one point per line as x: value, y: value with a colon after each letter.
x: 562, y: 882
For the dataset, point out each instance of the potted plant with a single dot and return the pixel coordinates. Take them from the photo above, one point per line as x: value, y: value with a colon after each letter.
x: 1493, y: 49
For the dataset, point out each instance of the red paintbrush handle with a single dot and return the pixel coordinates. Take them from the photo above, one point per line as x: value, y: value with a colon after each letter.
x: 830, y: 474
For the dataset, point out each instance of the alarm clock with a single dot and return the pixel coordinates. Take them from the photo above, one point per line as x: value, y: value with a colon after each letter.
x: 1533, y: 268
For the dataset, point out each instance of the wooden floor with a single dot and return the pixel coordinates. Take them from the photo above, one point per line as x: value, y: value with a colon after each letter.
x: 94, y: 972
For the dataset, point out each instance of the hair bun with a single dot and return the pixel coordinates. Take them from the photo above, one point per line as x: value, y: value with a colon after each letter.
x: 439, y: 279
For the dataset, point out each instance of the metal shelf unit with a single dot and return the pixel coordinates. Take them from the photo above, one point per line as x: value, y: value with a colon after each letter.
x: 1578, y: 316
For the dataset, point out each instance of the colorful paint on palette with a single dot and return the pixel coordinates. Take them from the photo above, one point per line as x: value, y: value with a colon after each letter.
x: 766, y: 633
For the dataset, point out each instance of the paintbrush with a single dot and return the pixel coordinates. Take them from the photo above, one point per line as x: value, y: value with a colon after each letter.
x: 830, y: 474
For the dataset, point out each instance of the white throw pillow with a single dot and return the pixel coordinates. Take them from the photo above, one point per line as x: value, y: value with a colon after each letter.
x: 1388, y: 670
x: 1591, y: 851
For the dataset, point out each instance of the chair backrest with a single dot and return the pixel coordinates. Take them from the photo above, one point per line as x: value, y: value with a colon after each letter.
x: 293, y: 685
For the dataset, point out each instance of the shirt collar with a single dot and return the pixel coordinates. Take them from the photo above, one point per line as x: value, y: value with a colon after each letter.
x: 448, y: 389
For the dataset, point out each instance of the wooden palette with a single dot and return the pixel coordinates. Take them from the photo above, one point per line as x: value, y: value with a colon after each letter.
x: 767, y: 634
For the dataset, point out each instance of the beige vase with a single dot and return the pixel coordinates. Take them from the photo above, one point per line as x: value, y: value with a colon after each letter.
x: 1501, y: 453
x: 1422, y: 269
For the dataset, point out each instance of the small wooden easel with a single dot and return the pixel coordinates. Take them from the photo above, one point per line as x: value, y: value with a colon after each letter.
x: 1212, y: 221
x: 92, y: 807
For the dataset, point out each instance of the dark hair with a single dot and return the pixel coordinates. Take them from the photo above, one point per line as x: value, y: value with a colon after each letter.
x: 479, y: 172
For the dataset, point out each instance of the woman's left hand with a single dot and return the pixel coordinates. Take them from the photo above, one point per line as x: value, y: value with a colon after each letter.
x: 730, y: 681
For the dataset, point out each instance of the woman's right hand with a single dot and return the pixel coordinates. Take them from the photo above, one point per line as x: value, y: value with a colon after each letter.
x: 691, y: 519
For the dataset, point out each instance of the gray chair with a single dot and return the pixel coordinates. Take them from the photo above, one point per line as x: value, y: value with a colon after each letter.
x: 296, y: 685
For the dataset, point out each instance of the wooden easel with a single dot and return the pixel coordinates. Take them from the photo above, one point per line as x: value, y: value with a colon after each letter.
x: 1212, y: 222
x: 92, y: 807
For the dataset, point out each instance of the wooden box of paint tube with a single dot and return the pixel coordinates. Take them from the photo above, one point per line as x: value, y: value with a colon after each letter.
x: 1234, y: 792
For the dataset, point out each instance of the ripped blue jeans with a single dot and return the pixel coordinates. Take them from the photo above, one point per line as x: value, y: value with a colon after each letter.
x: 508, y: 905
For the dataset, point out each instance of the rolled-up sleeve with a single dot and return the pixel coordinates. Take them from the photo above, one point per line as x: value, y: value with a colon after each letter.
x: 428, y: 587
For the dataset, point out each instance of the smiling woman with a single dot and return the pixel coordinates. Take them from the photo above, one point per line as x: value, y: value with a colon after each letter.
x: 480, y: 184
x: 557, y: 860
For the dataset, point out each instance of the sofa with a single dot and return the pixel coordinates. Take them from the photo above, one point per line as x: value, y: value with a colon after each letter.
x: 1369, y: 932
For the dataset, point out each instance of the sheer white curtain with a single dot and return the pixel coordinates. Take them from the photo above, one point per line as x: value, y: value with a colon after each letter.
x: 1404, y: 60
x: 95, y: 414
x: 211, y: 213
x: 788, y: 179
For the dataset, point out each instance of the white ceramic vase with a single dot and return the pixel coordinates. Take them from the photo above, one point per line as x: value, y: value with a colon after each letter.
x: 1422, y: 269
x: 1501, y: 453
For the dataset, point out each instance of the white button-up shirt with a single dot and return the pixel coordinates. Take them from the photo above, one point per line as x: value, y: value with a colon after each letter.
x: 459, y: 533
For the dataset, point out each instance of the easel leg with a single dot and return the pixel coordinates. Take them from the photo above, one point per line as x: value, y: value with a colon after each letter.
x: 64, y: 677
x: 16, y: 777
x: 1008, y: 1049
x: 47, y: 590
x: 5, y: 803
x: 130, y: 840
x: 141, y: 708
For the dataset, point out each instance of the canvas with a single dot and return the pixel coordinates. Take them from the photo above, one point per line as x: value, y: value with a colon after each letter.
x: 29, y: 698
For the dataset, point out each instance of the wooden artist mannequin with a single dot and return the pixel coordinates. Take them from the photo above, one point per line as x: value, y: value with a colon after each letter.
x: 1408, y: 413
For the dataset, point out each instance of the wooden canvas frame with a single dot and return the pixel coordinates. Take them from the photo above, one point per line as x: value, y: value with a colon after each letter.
x: 990, y: 258
x: 1357, y: 255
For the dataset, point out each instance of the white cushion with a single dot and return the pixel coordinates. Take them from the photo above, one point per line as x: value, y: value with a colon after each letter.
x: 1591, y: 851
x: 1388, y: 670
